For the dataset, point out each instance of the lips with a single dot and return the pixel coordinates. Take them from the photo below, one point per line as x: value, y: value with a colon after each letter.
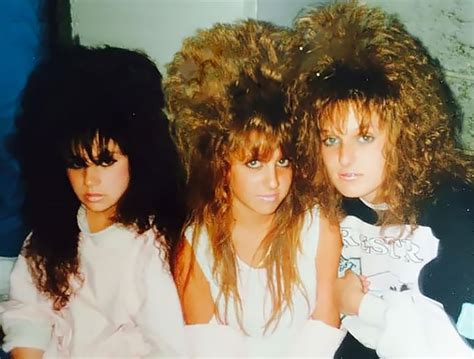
x: 349, y: 176
x: 269, y: 197
x: 93, y: 197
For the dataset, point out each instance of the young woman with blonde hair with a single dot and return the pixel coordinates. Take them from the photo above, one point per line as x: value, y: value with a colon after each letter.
x: 258, y: 260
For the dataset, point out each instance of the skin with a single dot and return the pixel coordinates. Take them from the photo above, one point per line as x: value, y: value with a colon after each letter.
x: 355, y: 161
x: 355, y: 164
x: 327, y: 263
x: 252, y: 221
x: 100, y: 187
x: 26, y: 353
x: 258, y: 187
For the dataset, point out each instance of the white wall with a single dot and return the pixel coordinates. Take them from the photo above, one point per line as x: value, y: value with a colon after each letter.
x: 159, y: 26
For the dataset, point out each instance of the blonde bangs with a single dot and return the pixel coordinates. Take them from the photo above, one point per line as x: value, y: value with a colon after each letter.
x: 258, y: 142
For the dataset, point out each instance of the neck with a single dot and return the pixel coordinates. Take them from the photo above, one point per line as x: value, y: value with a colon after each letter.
x: 248, y: 232
x: 98, y: 221
x: 243, y: 217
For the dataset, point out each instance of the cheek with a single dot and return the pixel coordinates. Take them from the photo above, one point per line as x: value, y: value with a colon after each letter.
x: 329, y: 160
x: 326, y: 155
x: 286, y: 179
x: 120, y: 177
x: 73, y: 178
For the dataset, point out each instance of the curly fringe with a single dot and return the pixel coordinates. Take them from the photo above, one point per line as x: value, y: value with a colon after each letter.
x: 351, y: 53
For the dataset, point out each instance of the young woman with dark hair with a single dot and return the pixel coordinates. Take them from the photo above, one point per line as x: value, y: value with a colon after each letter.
x: 103, y: 200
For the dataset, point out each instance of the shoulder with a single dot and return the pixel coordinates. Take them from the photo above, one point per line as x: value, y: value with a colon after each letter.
x: 449, y: 214
x: 453, y: 195
x: 310, y: 231
x: 195, y: 248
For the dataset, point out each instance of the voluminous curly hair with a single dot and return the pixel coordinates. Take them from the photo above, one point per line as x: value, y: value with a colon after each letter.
x: 207, y: 63
x: 74, y: 105
x: 354, y: 55
x: 226, y: 101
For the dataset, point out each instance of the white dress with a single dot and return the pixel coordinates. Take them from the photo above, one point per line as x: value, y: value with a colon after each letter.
x: 295, y: 333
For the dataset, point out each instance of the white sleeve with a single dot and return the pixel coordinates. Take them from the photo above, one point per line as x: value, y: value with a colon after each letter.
x: 406, y: 325
x: 317, y: 339
x: 27, y: 318
x: 215, y: 340
x: 160, y: 318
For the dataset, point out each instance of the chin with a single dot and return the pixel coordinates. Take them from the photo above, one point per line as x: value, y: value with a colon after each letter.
x: 350, y: 193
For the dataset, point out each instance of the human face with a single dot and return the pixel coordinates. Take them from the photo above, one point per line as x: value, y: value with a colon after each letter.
x: 258, y: 187
x: 99, y: 187
x: 355, y: 161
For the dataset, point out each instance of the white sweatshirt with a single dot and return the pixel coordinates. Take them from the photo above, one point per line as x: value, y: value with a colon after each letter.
x: 127, y: 305
x: 395, y: 318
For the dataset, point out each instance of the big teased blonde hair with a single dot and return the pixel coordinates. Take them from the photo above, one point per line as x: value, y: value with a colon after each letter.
x: 354, y: 55
x: 226, y: 100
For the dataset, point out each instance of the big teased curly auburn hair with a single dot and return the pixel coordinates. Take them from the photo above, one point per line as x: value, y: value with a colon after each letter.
x: 75, y: 103
x: 354, y: 55
x: 226, y: 101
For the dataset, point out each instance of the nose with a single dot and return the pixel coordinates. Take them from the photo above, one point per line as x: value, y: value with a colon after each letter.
x: 91, y: 176
x: 346, y: 154
x: 272, y: 177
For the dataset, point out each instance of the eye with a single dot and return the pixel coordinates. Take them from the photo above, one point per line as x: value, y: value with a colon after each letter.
x: 330, y: 141
x: 107, y: 162
x: 76, y: 163
x: 254, y: 164
x: 283, y: 162
x: 366, y: 139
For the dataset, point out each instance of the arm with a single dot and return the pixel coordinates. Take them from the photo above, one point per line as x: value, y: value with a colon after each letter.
x: 449, y: 278
x: 323, y: 326
x: 399, y: 324
x: 26, y: 353
x: 26, y: 318
x: 160, y: 318
x: 404, y: 324
x: 205, y: 337
x: 327, y: 263
x: 193, y: 288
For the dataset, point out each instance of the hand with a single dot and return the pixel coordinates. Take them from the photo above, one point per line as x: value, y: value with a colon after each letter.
x: 365, y: 283
x: 350, y: 290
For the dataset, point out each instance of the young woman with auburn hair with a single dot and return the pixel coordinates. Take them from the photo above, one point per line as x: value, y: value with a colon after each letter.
x: 382, y: 123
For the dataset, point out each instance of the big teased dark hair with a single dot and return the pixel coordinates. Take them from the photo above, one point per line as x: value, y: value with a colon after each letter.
x: 350, y: 54
x: 82, y: 98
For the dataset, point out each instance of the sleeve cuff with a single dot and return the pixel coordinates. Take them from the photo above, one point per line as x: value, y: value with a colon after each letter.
x: 318, y: 339
x: 26, y: 335
x: 372, y: 310
x: 215, y: 340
